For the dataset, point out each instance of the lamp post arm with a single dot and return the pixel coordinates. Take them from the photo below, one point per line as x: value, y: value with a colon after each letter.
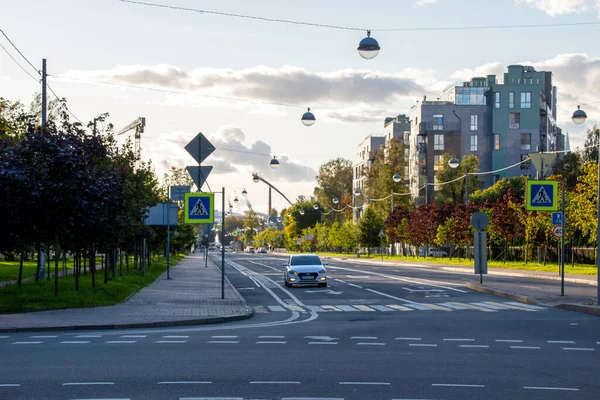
x: 277, y: 190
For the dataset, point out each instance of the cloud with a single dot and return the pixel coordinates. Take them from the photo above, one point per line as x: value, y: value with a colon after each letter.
x: 421, y: 3
x: 285, y: 85
x: 560, y: 7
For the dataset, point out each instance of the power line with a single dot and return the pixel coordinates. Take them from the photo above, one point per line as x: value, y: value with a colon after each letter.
x: 349, y: 28
x: 19, y: 51
x: 125, y: 85
x: 66, y: 108
x: 20, y: 66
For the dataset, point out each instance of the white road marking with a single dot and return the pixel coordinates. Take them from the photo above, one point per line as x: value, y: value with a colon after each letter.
x: 87, y: 383
x: 509, y: 341
x: 421, y: 307
x: 326, y: 338
x: 106, y: 398
x: 184, y: 383
x: 276, y: 308
x: 486, y: 305
x: 399, y: 308
x: 549, y: 388
x: 75, y: 342
x: 458, y: 340
x: 223, y: 337
x: 312, y: 398
x: 170, y: 341
x: 271, y: 342
x: 271, y: 337
x: 211, y: 398
x: 346, y: 308
x: 356, y: 286
x: 364, y: 308
x: 322, y: 342
x: 10, y: 384
x: 525, y: 347
x: 88, y: 336
x: 27, y: 342
x: 578, y: 349
x: 339, y: 280
x: 331, y: 308
x: 223, y: 341
x: 408, y: 338
x: 422, y: 345
x: 561, y: 341
x: 176, y: 337
x: 370, y: 344
x: 121, y: 341
x: 391, y: 297
x: 275, y: 383
x: 456, y: 306
x: 515, y: 303
x: 4, y: 337
x: 381, y: 308
x: 133, y: 336
x: 316, y: 309
x: 366, y: 383
x: 573, y: 324
x: 364, y: 337
x: 457, y: 385
x: 481, y: 346
x: 43, y: 337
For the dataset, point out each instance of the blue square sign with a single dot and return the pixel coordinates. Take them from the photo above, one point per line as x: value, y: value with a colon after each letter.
x: 542, y: 195
x: 557, y: 218
x: 199, y: 208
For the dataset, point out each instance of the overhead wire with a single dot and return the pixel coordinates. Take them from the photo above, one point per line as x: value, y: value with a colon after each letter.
x: 351, y: 28
x: 19, y: 51
x: 20, y: 66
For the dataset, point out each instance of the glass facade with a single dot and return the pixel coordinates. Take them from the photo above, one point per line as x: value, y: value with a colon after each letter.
x: 471, y: 96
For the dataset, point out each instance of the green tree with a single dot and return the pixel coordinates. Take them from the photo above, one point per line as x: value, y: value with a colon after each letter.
x: 454, y: 192
x: 251, y: 224
x: 570, y: 167
x: 590, y: 151
x: 581, y: 210
x: 494, y: 193
x: 334, y: 181
x: 369, y: 226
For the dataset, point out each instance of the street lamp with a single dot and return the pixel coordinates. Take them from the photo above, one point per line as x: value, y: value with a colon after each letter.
x: 579, y: 117
x: 357, y: 192
x: 308, y: 118
x: 301, y: 212
x: 397, y: 178
x: 453, y: 163
x: 368, y: 48
x: 244, y: 193
x: 316, y: 206
x: 335, y: 200
x: 255, y: 178
x: 274, y: 162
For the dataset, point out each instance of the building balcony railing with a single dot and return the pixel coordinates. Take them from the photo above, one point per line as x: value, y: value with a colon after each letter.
x: 425, y: 127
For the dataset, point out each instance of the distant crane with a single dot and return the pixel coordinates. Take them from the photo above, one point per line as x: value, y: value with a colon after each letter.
x: 137, y: 125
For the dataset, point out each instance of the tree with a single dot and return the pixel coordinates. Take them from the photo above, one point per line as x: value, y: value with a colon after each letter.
x: 570, y: 167
x: 369, y: 226
x: 507, y: 216
x: 423, y: 224
x: 582, y: 207
x: 251, y: 223
x: 492, y: 194
x: 454, y: 192
x: 590, y: 151
x: 334, y: 181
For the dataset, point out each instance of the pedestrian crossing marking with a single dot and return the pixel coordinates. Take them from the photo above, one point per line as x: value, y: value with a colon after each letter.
x: 542, y: 197
x: 199, y: 209
x: 485, y: 306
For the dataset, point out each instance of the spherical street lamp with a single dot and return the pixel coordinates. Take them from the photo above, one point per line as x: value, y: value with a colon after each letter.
x: 335, y: 200
x: 368, y: 48
x: 301, y: 212
x: 308, y: 118
x: 453, y: 162
x: 316, y: 206
x: 397, y: 178
x: 235, y: 200
x: 244, y: 193
x: 357, y: 192
x: 579, y: 116
x: 274, y: 162
x: 255, y: 178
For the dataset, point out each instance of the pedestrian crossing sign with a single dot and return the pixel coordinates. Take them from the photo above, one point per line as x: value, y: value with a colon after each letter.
x: 542, y: 195
x: 199, y: 208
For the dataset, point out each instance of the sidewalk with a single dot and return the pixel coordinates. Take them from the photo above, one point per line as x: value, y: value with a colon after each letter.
x: 581, y: 300
x: 192, y: 296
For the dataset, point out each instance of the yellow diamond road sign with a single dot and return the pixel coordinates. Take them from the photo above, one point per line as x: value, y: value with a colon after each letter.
x: 542, y: 195
x: 199, y: 208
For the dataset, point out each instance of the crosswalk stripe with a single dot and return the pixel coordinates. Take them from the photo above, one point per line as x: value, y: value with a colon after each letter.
x: 419, y: 306
x: 330, y: 308
x: 316, y: 309
x: 276, y: 308
x: 454, y: 306
x: 438, y: 307
x: 346, y: 308
x: 399, y: 308
x: 381, y: 308
x: 493, y: 307
x: 295, y: 308
x: 514, y: 303
x: 474, y: 307
x: 260, y: 309
x: 364, y: 308
x: 509, y: 306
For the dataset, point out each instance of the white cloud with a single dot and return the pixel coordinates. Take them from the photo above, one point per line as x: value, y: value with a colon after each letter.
x: 560, y: 7
x: 421, y: 3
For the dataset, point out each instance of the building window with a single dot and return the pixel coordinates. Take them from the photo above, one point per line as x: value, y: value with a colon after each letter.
x: 511, y: 100
x: 496, y: 141
x: 525, y: 141
x: 496, y: 178
x: 497, y: 100
x: 438, y: 122
x: 437, y: 162
x: 526, y: 100
x: 474, y: 122
x: 438, y: 142
x: 525, y: 165
x: 473, y: 142
x: 514, y: 120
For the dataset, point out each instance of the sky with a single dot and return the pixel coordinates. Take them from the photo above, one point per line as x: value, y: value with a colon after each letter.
x: 245, y: 82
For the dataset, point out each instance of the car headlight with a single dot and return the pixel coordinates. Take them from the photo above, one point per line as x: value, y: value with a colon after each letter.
x: 292, y: 272
x: 322, y: 271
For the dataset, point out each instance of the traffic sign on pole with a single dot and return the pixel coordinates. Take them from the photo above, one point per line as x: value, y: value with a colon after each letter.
x: 557, y: 231
x: 199, y: 174
x: 199, y: 208
x: 542, y: 196
x: 557, y: 218
x: 199, y: 148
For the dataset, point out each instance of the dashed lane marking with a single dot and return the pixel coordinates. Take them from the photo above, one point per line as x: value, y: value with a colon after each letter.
x: 561, y: 341
x: 578, y: 349
x: 75, y: 342
x: 121, y: 341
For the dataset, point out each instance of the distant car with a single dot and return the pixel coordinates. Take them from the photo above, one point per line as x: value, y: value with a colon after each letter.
x: 261, y: 250
x: 305, y: 269
x: 249, y: 249
x: 434, y: 252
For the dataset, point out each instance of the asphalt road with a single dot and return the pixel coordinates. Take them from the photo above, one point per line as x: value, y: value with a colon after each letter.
x: 376, y: 332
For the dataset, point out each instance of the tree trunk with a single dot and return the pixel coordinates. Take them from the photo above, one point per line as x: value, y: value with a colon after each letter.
x: 505, y: 249
x: 76, y: 263
x: 39, y: 257
x: 120, y: 262
x: 48, y: 262
x: 572, y: 254
x: 93, y: 265
x: 56, y: 252
x: 127, y: 260
x: 135, y: 256
x: 545, y: 253
x: 525, y: 253
x: 20, y: 278
x: 105, y: 266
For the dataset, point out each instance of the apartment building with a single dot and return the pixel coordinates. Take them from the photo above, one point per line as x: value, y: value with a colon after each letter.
x: 365, y: 156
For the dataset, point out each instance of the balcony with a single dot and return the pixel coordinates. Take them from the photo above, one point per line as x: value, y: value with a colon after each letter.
x: 425, y: 127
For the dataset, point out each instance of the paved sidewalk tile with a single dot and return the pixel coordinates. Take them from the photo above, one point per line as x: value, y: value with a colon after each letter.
x: 192, y: 295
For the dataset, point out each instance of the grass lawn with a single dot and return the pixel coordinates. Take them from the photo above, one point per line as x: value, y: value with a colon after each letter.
x: 9, y: 270
x: 32, y: 296
x: 580, y: 269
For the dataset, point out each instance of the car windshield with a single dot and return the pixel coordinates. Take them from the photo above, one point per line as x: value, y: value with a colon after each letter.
x: 305, y: 260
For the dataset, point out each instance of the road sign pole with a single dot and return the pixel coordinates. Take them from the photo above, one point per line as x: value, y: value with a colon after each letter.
x: 562, y: 243
x: 223, y: 244
x: 168, y: 239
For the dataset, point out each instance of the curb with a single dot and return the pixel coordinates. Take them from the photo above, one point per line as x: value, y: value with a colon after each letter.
x: 158, y: 324
x: 593, y: 310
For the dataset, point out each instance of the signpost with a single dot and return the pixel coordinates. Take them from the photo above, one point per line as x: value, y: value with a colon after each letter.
x: 199, y: 148
x: 177, y: 193
x: 479, y: 221
x: 163, y: 214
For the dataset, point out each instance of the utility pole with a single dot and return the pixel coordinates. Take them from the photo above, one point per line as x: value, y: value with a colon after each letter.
x: 41, y: 253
